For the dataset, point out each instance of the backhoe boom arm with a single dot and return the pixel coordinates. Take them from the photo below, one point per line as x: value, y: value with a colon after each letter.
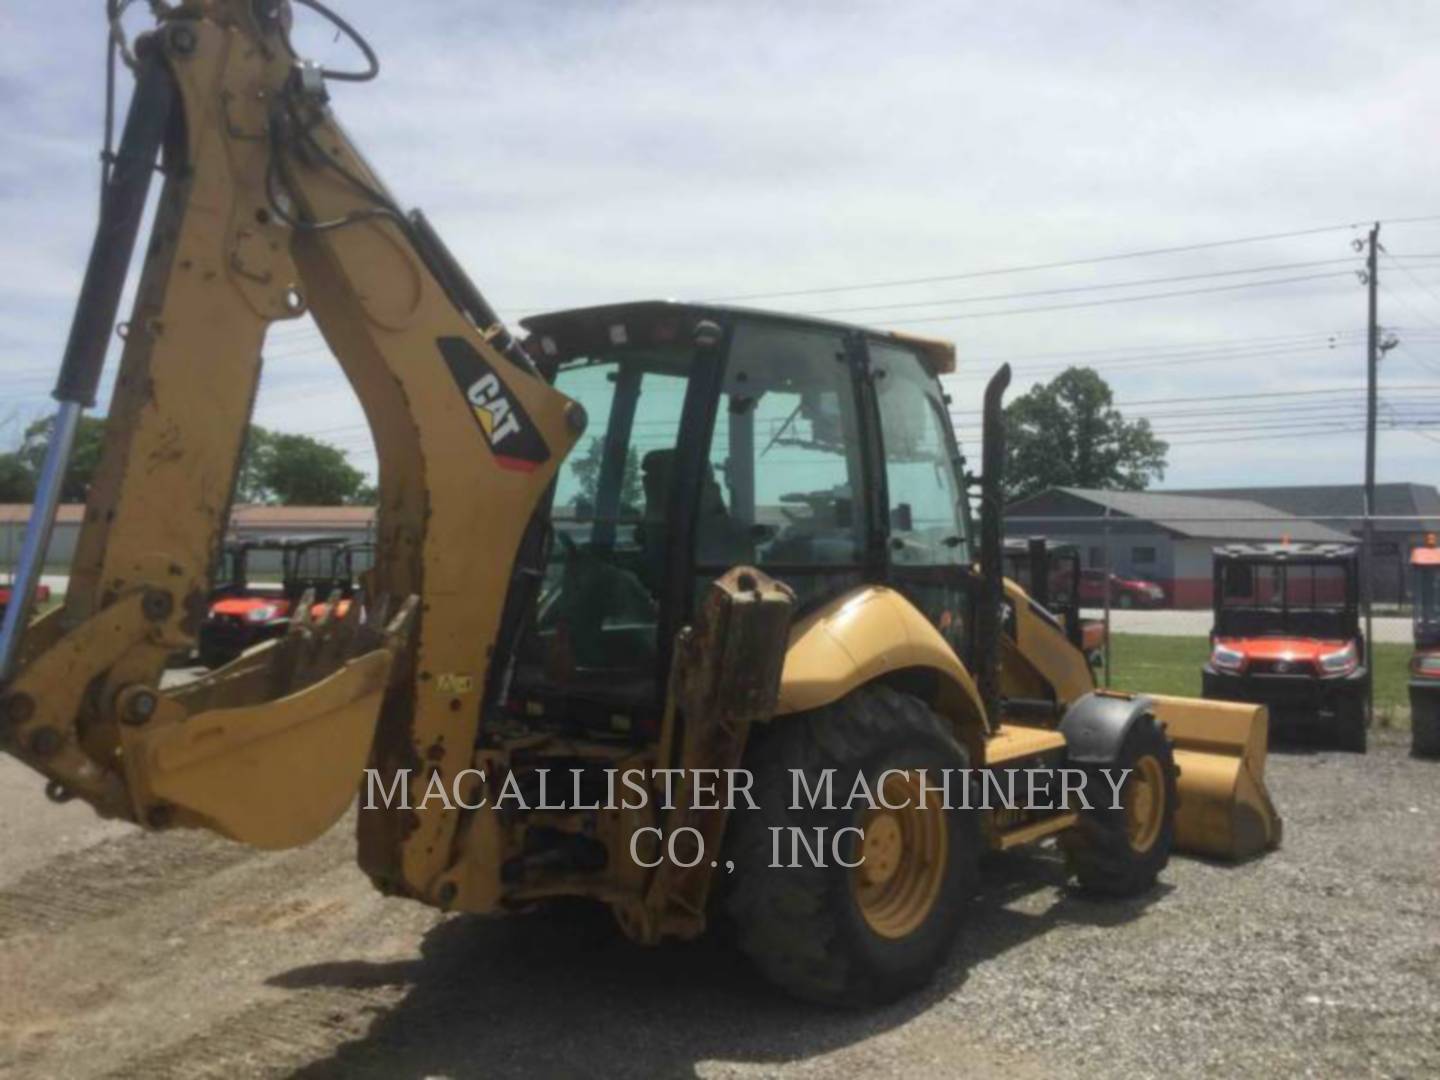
x: 268, y: 212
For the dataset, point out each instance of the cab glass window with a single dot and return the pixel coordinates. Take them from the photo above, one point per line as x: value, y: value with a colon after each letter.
x: 597, y: 612
x: 783, y: 486
x: 927, y: 521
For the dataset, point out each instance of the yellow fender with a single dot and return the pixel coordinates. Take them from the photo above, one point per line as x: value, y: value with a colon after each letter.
x: 872, y: 633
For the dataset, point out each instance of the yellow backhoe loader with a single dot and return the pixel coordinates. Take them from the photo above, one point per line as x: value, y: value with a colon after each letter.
x: 653, y: 562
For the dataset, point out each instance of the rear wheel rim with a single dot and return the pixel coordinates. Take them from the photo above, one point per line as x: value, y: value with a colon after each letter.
x: 1144, y: 803
x: 904, y: 852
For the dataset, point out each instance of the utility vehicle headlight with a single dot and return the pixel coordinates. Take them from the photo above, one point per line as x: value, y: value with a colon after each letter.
x: 1427, y: 664
x: 261, y: 614
x: 1339, y: 663
x: 1227, y: 659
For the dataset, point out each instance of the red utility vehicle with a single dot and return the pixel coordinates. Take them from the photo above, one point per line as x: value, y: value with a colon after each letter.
x: 1425, y: 663
x: 1287, y: 635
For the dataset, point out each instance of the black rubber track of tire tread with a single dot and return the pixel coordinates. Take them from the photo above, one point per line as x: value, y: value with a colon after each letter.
x: 781, y: 920
x: 1097, y: 850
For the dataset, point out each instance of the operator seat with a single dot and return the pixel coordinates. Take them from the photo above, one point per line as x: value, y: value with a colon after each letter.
x: 720, y: 539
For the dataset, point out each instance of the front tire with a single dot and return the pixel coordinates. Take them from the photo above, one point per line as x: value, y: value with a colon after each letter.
x: 1119, y: 850
x: 1425, y: 722
x: 869, y: 934
x: 1350, y: 729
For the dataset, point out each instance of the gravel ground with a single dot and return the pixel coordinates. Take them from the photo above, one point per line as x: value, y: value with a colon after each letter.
x: 123, y: 954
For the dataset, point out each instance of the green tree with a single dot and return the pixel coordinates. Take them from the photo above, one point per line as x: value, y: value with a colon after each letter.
x: 1069, y: 433
x: 296, y: 470
x: 89, y: 439
x: 249, y: 487
x: 274, y: 468
x: 586, y: 468
x: 17, y: 482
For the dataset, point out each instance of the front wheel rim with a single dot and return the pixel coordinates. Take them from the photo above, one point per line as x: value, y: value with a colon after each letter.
x: 1145, y: 803
x: 904, y: 853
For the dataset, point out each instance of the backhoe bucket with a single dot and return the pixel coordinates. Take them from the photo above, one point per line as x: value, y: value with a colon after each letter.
x: 1225, y: 811
x: 274, y: 775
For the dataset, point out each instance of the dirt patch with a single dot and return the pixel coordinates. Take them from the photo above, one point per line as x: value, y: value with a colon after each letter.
x: 182, y: 955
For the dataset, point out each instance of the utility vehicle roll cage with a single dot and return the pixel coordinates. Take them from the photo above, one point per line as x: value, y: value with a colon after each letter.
x: 1261, y: 590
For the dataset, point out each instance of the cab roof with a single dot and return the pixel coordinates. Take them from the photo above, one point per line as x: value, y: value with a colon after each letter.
x: 1301, y: 552
x: 606, y: 326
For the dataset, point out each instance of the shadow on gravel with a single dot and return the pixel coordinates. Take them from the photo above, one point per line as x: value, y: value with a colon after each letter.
x: 563, y: 993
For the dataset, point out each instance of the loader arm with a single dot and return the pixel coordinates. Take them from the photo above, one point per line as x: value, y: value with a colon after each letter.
x: 268, y: 211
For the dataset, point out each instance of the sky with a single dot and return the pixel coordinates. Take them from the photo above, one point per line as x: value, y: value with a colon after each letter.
x: 578, y: 153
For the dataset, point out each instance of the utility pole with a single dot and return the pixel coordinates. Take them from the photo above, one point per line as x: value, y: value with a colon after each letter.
x: 1372, y: 397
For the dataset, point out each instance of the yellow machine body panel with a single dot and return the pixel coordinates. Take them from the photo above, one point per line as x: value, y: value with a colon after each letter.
x: 1225, y: 810
x: 1014, y: 744
x: 274, y: 215
x: 870, y: 633
x: 270, y: 213
x: 303, y: 751
x: 1039, y: 654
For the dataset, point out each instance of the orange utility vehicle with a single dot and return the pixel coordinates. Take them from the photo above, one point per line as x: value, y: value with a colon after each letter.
x: 1425, y: 664
x: 245, y: 613
x: 1287, y: 635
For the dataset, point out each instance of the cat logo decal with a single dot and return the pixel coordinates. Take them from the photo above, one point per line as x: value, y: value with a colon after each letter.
x: 508, y: 431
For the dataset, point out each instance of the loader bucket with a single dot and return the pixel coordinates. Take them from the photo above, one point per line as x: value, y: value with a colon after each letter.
x: 274, y: 775
x: 1225, y: 811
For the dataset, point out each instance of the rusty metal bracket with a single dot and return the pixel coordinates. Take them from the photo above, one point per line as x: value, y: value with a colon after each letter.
x: 726, y: 677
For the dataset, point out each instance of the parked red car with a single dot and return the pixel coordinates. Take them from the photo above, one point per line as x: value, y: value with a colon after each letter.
x: 42, y: 594
x: 1124, y: 592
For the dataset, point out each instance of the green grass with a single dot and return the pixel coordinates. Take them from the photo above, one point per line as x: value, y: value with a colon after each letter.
x: 1171, y: 665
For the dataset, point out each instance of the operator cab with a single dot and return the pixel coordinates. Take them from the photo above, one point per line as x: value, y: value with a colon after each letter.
x: 821, y: 453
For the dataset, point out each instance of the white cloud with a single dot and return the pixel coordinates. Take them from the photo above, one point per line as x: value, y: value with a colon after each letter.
x: 573, y: 153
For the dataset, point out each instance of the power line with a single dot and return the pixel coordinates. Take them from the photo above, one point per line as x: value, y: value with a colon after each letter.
x: 1414, y: 280
x: 1239, y: 397
x: 1406, y: 305
x: 1000, y: 312
x: 1125, y: 365
x: 1031, y: 267
x: 1160, y: 348
x: 1084, y: 288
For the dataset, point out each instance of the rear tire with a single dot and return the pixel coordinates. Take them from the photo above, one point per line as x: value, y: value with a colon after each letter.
x: 853, y: 936
x: 1120, y: 850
